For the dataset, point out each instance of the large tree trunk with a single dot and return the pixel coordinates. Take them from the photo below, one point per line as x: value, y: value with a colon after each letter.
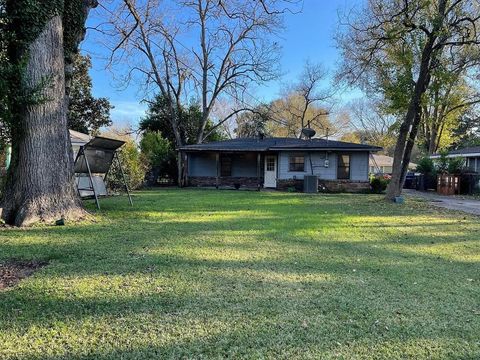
x: 40, y: 182
x: 409, y: 128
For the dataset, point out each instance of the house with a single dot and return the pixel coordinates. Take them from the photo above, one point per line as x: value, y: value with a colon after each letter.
x: 278, y: 163
x: 78, y: 139
x: 471, y: 155
x: 382, y: 164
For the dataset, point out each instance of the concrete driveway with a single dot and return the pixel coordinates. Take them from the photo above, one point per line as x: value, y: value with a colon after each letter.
x: 458, y: 203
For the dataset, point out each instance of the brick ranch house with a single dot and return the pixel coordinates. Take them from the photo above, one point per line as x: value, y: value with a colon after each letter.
x: 278, y: 163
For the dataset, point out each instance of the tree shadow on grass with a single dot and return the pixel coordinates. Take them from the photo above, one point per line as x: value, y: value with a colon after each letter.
x: 259, y: 276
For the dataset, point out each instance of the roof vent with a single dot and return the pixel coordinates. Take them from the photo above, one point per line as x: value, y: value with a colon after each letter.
x: 308, y: 132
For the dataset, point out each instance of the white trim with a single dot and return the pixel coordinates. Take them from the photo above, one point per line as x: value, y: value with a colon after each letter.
x: 456, y: 155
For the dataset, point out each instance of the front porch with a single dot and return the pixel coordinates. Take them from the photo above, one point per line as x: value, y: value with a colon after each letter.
x: 226, y: 169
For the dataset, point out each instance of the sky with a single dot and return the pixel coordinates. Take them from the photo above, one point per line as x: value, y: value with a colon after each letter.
x: 308, y: 35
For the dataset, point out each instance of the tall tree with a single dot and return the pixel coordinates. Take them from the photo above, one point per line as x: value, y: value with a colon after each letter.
x: 204, y: 49
x: 449, y: 99
x: 371, y: 124
x: 235, y: 49
x: 189, y: 118
x: 405, y: 39
x: 86, y: 113
x: 43, y: 36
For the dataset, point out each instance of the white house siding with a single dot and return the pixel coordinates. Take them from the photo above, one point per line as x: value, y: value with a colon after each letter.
x: 358, y: 166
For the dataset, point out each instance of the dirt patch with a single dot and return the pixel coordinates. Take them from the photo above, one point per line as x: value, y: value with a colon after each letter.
x: 13, y: 271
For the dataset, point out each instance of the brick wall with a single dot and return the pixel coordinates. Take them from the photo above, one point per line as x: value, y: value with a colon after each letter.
x: 343, y: 186
x: 230, y: 181
x: 326, y: 185
x: 285, y: 184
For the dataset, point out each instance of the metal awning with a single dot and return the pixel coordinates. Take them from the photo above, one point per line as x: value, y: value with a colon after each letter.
x: 96, y: 157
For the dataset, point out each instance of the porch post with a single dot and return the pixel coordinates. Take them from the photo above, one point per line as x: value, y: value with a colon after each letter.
x: 179, y: 169
x: 258, y: 171
x: 185, y: 157
x: 217, y: 159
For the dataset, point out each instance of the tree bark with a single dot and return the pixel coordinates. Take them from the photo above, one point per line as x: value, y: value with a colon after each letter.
x: 40, y: 183
x: 409, y: 127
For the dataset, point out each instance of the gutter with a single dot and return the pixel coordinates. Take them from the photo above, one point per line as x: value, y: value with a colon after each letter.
x: 456, y: 155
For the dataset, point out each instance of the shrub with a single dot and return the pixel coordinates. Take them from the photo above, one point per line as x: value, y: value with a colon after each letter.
x: 378, y: 184
x: 426, y: 166
x: 159, y: 155
x: 455, y: 165
x: 442, y: 162
x: 155, y: 148
x: 133, y: 168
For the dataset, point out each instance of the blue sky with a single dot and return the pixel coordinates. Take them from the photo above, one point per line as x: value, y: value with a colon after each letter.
x: 307, y: 35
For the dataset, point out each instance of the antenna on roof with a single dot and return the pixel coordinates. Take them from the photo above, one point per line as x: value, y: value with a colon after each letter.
x: 308, y: 132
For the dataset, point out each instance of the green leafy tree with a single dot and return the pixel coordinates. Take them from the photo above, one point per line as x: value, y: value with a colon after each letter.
x: 160, y: 156
x: 190, y: 118
x: 86, y: 113
x: 133, y: 166
x: 426, y: 166
x: 393, y: 48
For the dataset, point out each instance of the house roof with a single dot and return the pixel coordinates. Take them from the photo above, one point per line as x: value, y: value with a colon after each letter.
x: 384, y: 160
x: 471, y: 151
x: 78, y: 138
x: 277, y: 144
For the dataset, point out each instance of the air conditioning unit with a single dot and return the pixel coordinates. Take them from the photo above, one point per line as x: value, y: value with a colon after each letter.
x: 310, y: 184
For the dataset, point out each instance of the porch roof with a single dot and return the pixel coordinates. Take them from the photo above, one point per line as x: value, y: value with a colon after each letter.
x: 472, y: 151
x: 278, y: 144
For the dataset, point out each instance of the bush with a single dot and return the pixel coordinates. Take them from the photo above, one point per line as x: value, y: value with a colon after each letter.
x: 155, y: 148
x: 426, y: 166
x: 455, y: 165
x: 133, y: 168
x: 378, y: 184
x: 160, y: 156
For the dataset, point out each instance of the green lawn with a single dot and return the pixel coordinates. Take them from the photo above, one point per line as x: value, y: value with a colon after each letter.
x: 215, y: 274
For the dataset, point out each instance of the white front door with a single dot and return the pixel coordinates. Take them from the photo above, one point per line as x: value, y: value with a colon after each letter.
x: 270, y: 177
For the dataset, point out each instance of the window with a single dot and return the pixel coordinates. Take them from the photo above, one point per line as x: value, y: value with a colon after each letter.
x: 343, y: 167
x: 297, y: 163
x: 225, y: 166
x: 471, y: 164
x: 270, y: 163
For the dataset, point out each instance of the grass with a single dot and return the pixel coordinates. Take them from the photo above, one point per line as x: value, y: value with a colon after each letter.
x: 216, y: 274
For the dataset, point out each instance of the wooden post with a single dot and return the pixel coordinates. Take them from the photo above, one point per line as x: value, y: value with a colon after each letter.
x: 258, y: 171
x: 217, y: 159
x: 180, y: 171
x: 123, y: 177
x: 90, y: 177
x: 185, y: 167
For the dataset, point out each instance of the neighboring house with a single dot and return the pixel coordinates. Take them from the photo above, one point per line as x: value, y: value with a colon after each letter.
x: 78, y: 139
x: 471, y: 155
x: 278, y: 163
x: 382, y: 164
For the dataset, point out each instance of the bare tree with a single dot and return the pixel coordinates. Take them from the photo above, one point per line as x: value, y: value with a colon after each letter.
x: 236, y: 48
x: 304, y: 104
x: 204, y: 49
x: 147, y: 45
x: 409, y: 36
x: 373, y: 125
